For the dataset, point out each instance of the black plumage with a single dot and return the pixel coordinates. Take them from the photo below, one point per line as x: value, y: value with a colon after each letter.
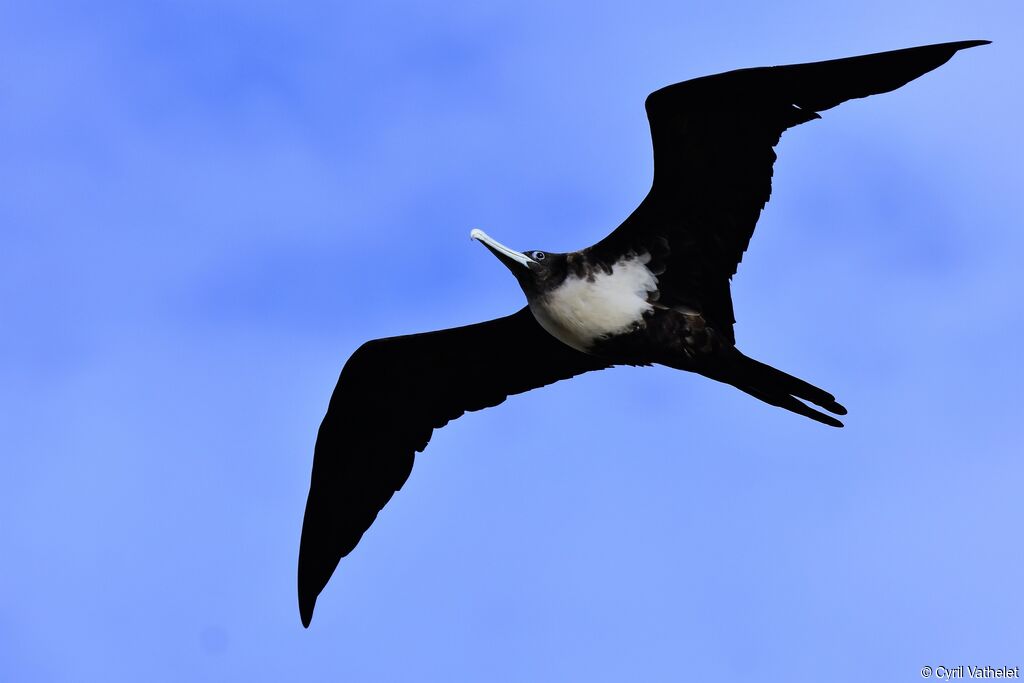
x: 391, y: 395
x: 656, y: 290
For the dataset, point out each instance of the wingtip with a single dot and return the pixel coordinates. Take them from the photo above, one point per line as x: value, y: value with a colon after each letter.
x: 307, y: 602
x: 306, y: 610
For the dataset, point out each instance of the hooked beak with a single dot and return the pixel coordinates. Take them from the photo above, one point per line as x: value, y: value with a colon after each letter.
x: 500, y: 250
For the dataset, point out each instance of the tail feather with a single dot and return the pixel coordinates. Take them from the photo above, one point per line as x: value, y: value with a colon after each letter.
x: 792, y: 404
x: 777, y: 388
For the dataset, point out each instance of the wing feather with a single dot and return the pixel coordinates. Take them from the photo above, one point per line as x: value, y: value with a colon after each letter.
x: 391, y: 395
x: 714, y: 140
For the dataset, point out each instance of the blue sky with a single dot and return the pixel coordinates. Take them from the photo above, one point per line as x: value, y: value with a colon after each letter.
x: 207, y: 206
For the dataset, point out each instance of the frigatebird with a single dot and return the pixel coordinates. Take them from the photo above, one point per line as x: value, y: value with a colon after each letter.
x: 656, y: 290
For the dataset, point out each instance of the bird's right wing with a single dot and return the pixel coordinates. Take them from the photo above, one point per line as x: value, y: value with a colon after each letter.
x: 391, y: 395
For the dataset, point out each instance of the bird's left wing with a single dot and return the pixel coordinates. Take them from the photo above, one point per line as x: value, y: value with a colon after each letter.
x: 391, y: 395
x: 713, y: 156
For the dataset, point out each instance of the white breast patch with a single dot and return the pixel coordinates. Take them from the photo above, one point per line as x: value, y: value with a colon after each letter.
x: 581, y: 311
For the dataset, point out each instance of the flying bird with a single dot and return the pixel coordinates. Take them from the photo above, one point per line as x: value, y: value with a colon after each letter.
x: 655, y: 290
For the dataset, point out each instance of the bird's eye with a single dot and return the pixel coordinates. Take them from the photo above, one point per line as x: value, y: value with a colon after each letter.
x: 538, y: 256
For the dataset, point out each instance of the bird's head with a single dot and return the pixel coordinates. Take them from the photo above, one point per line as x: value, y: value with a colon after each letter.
x: 536, y: 271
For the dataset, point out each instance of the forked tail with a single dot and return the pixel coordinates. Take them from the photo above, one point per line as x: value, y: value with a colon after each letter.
x: 774, y: 386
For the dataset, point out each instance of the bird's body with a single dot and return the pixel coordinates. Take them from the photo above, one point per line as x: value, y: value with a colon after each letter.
x: 654, y: 291
x: 597, y: 304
